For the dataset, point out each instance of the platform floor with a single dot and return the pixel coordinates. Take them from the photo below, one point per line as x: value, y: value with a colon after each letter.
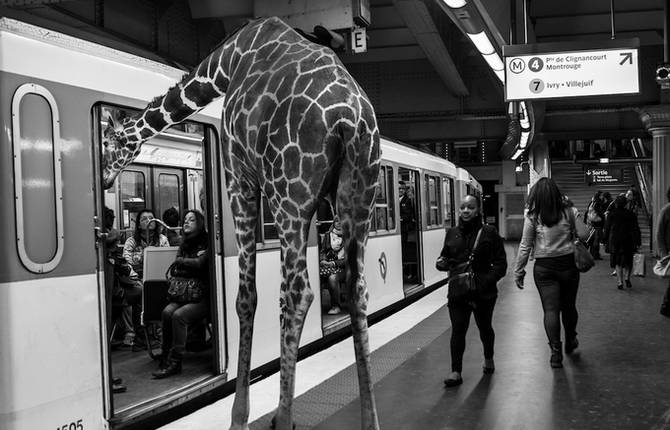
x: 620, y: 379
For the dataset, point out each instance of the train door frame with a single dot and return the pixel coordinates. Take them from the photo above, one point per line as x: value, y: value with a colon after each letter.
x: 412, y: 177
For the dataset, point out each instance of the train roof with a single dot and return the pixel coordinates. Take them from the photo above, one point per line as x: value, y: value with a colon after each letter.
x: 65, y: 59
x: 403, y: 154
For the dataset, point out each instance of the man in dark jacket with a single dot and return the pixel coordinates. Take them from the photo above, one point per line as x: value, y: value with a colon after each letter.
x: 489, y: 265
x: 663, y: 241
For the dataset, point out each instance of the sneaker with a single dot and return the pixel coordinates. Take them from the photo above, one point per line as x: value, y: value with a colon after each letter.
x: 665, y: 311
x: 628, y: 284
x: 613, y: 273
x: 334, y: 310
x: 119, y: 388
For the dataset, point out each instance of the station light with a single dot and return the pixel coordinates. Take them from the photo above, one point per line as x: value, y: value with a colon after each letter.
x: 604, y: 160
x: 455, y: 4
x: 500, y: 74
x: 482, y: 43
x: 494, y: 61
x: 517, y: 154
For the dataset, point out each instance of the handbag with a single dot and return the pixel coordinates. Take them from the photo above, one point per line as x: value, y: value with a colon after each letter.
x: 583, y: 258
x: 182, y: 289
x: 639, y: 266
x: 463, y: 283
x: 662, y: 267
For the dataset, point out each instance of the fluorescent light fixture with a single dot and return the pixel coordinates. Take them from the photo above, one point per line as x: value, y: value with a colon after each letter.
x: 494, y: 61
x: 523, y: 140
x: 518, y: 169
x: 523, y: 118
x: 604, y: 160
x: 500, y: 74
x: 455, y: 4
x: 517, y: 154
x: 482, y: 42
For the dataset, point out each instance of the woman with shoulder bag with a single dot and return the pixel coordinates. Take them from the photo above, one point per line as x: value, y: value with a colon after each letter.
x: 474, y: 252
x: 192, y: 263
x: 549, y: 230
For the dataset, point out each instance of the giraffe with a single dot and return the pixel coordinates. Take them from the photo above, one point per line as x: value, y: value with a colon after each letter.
x: 296, y: 127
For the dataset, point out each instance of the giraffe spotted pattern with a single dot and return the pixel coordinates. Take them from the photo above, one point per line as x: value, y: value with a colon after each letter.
x: 296, y: 127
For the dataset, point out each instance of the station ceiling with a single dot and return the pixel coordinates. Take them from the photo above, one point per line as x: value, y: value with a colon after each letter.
x: 427, y: 81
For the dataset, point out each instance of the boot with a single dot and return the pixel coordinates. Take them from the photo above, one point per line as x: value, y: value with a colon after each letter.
x: 556, y: 360
x: 173, y: 367
x: 571, y: 345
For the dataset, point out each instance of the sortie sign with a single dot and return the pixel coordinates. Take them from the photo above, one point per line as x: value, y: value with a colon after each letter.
x: 548, y: 71
x: 603, y: 175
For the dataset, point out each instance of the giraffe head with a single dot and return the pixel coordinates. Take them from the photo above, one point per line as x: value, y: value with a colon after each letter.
x: 116, y: 152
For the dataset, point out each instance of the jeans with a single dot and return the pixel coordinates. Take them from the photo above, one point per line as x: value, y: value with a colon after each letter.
x: 558, y: 293
x: 176, y: 318
x: 459, y: 313
x: 131, y: 315
x: 594, y: 245
x: 666, y: 298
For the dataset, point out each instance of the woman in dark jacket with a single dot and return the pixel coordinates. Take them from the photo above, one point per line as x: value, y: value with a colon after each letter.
x: 622, y: 235
x: 489, y: 265
x: 192, y: 262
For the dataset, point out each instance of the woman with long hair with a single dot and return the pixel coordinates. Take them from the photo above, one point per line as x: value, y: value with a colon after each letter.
x: 489, y: 265
x: 192, y: 262
x: 622, y: 236
x: 548, y: 230
x: 147, y: 233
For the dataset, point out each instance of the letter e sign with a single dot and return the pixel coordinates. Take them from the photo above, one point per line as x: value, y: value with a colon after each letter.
x: 359, y: 42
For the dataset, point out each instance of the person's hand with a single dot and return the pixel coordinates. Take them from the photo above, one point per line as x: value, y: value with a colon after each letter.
x: 133, y: 275
x: 518, y: 280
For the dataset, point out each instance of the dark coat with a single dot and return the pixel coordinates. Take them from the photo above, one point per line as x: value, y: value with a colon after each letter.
x: 193, y: 259
x: 622, y: 233
x: 490, y: 261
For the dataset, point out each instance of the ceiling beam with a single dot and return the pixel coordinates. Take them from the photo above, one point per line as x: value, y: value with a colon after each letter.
x: 418, y: 19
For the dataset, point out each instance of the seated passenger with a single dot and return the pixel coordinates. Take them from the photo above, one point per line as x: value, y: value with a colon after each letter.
x: 331, y: 264
x: 192, y: 262
x: 147, y: 233
x: 171, y: 219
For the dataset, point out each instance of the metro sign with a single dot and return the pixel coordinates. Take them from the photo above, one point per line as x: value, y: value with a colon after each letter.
x: 557, y: 70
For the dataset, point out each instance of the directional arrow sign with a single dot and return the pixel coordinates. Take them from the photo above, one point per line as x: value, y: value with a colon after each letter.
x: 531, y: 72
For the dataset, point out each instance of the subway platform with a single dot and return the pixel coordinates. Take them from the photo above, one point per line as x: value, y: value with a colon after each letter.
x: 619, y: 378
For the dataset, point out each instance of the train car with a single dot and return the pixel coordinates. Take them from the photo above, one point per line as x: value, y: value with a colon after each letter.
x: 62, y: 344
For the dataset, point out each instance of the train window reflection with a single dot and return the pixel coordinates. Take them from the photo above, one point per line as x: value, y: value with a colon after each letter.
x: 133, y: 196
x: 433, y: 201
x: 384, y: 215
x: 169, y: 193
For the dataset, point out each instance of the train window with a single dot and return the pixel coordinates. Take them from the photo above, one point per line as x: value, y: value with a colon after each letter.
x: 37, y: 178
x: 384, y: 215
x: 133, y: 196
x: 433, y: 214
x: 169, y: 192
x: 447, y: 201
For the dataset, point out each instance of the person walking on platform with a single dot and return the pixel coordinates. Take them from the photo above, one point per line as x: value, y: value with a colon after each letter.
x: 594, y: 217
x: 622, y: 235
x: 663, y: 241
x: 489, y: 264
x: 548, y: 230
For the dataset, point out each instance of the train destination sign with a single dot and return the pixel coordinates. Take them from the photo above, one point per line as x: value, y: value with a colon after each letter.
x: 531, y: 73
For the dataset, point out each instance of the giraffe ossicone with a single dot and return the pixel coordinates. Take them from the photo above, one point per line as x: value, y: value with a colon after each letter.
x: 296, y: 127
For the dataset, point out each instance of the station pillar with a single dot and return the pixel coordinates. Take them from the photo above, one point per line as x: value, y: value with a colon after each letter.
x: 656, y: 120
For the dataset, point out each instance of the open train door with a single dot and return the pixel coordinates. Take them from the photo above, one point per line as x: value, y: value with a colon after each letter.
x: 187, y: 153
x: 410, y: 228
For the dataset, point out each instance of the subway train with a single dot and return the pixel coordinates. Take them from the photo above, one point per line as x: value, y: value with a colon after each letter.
x: 63, y: 362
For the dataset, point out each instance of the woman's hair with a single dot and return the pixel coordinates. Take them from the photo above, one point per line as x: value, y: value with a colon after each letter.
x: 620, y: 201
x: 597, y: 195
x: 198, y: 238
x: 154, y: 235
x: 545, y: 202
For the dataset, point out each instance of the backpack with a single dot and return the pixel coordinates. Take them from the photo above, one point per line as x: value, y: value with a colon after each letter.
x: 592, y: 214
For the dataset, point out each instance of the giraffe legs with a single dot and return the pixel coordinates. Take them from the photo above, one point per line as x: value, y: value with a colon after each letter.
x: 295, y: 299
x: 245, y: 226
